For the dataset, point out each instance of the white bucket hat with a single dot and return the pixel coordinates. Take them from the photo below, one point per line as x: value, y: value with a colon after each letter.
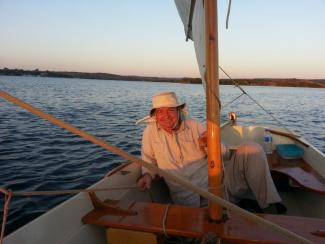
x: 165, y: 100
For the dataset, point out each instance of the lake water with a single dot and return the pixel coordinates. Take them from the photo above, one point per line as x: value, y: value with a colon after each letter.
x: 36, y: 155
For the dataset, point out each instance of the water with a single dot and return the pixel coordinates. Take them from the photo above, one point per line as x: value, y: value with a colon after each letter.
x: 35, y: 155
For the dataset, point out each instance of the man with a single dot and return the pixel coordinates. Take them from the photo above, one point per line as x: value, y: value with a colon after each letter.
x: 177, y: 145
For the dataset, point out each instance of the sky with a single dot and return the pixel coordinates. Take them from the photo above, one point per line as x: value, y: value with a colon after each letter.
x: 265, y: 39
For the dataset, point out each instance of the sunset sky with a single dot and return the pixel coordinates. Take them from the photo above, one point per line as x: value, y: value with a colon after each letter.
x: 274, y: 38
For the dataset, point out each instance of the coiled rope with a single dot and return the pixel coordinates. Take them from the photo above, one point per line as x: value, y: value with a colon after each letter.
x: 182, y: 182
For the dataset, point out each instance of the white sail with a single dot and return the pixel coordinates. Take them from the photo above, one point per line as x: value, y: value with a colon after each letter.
x: 196, y: 33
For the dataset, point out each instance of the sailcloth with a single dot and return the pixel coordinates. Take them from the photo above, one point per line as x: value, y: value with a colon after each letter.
x: 196, y: 31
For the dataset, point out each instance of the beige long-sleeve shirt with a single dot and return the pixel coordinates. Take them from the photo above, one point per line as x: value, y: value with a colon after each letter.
x: 178, y: 153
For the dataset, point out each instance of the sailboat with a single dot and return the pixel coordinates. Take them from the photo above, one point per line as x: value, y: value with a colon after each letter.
x: 106, y: 213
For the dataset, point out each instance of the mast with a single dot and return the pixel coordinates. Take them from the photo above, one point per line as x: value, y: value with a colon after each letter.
x: 212, y: 106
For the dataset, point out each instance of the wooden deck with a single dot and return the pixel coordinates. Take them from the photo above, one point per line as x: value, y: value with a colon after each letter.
x: 193, y: 222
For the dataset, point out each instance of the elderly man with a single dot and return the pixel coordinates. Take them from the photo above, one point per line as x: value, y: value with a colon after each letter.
x: 176, y: 144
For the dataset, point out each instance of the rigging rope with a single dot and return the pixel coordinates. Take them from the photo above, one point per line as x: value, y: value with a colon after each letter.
x: 9, y: 194
x: 233, y: 100
x: 67, y: 192
x: 189, y: 24
x: 7, y: 198
x: 228, y: 13
x: 250, y: 97
x: 182, y: 182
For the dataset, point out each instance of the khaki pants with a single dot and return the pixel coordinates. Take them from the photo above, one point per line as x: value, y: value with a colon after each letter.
x: 247, y: 175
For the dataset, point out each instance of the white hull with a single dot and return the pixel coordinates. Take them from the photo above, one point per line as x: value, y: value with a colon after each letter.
x: 63, y: 223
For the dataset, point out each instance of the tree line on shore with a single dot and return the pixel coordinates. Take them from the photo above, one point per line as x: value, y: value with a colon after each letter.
x: 316, y: 83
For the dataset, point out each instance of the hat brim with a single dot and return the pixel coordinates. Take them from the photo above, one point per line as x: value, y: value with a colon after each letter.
x: 178, y: 106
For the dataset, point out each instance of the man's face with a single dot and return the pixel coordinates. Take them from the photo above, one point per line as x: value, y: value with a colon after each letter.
x: 167, y: 118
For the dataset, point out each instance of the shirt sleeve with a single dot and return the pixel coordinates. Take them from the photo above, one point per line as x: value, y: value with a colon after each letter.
x: 224, y: 150
x: 147, y: 152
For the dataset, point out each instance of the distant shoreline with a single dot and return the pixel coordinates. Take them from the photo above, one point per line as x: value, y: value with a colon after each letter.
x: 314, y: 83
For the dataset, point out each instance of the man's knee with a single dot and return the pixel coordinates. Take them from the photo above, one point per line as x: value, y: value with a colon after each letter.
x: 251, y: 148
x: 254, y: 155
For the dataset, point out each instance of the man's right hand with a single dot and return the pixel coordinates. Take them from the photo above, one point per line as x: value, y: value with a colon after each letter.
x: 144, y: 182
x: 203, y: 141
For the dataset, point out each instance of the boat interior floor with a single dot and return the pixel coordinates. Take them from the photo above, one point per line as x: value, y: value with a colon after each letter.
x: 151, y: 208
x: 294, y: 179
x: 290, y: 173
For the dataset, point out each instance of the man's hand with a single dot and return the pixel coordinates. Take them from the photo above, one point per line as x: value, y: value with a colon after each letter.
x: 144, y: 182
x: 203, y: 141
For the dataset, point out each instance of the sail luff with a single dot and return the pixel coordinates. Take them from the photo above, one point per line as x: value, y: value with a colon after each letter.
x: 212, y: 106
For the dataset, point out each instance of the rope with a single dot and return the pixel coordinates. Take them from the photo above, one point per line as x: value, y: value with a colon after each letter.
x: 7, y: 198
x: 182, y: 182
x: 9, y: 194
x: 189, y: 24
x: 66, y: 192
x: 233, y: 100
x: 250, y: 97
x: 165, y: 219
x: 228, y: 13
